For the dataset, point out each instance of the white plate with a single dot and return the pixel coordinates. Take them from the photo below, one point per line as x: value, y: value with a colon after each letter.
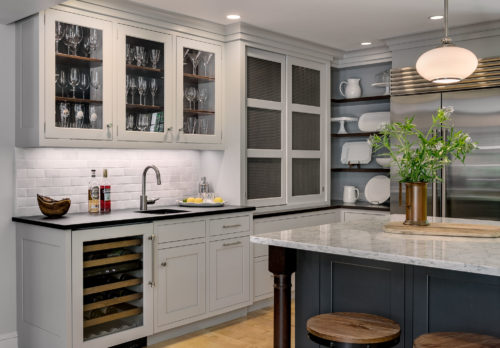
x: 378, y: 189
x: 356, y: 152
x: 204, y: 205
x: 374, y: 121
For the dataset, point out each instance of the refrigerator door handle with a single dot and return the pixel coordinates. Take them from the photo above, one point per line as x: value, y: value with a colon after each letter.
x: 434, y: 198
x: 443, y: 182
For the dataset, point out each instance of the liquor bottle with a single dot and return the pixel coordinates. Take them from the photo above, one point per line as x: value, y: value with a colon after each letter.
x: 105, y: 193
x: 93, y: 194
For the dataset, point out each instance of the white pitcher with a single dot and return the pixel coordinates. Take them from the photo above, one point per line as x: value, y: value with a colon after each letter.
x: 351, y: 194
x: 352, y: 89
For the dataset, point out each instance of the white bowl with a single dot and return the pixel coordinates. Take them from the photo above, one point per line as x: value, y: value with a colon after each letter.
x: 384, y: 161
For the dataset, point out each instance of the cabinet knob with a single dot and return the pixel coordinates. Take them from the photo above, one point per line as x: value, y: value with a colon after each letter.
x: 109, y: 125
x: 164, y: 264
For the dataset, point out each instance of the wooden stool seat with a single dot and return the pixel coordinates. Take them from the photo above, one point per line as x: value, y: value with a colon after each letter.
x: 456, y: 340
x: 354, y: 329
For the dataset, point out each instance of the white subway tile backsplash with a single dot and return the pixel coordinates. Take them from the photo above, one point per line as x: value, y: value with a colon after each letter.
x: 61, y: 173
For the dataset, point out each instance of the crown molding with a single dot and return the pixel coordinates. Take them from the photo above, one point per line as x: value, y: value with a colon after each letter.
x: 374, y: 55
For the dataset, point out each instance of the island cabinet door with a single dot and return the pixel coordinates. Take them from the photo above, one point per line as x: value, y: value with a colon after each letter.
x: 113, y: 280
x: 229, y: 272
x: 180, y: 294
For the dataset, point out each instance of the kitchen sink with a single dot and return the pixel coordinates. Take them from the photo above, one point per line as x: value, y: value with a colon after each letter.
x: 162, y: 211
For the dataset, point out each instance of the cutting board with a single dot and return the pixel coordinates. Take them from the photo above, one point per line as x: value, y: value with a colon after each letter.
x: 444, y: 229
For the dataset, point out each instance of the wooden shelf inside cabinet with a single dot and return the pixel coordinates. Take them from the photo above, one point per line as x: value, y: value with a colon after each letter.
x: 192, y: 111
x: 362, y: 99
x: 78, y: 100
x: 125, y: 310
x: 112, y: 301
x: 362, y: 170
x: 145, y: 107
x: 111, y: 260
x: 111, y: 245
x: 199, y: 77
x: 143, y: 68
x: 345, y: 135
x: 72, y: 58
x: 112, y: 286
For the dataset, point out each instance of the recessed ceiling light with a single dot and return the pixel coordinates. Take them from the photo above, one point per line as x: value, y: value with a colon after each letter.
x: 367, y: 43
x: 233, y: 16
x: 435, y: 18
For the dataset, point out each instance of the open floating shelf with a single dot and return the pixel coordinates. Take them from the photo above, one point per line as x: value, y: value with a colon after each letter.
x: 365, y: 134
x: 353, y: 100
x: 70, y: 57
x: 145, y: 107
x: 199, y: 77
x: 143, y: 68
x: 192, y: 111
x: 78, y: 100
x: 362, y: 170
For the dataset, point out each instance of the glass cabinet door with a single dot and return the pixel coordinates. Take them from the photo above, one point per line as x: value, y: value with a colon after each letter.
x: 144, y: 86
x: 78, y: 76
x: 198, y: 91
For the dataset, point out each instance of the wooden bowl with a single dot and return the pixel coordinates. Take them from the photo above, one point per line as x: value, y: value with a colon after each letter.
x: 52, y: 208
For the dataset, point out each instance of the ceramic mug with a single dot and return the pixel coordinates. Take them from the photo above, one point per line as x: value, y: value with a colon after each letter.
x: 351, y: 194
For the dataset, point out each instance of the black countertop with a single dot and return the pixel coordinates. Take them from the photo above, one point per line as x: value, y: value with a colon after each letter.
x: 80, y: 221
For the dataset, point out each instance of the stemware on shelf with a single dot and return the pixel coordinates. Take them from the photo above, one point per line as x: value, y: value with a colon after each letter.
x: 60, y: 30
x: 67, y: 37
x: 195, y: 59
x: 202, y: 97
x: 127, y: 87
x: 94, y: 79
x: 143, y: 122
x: 186, y: 51
x: 93, y: 117
x: 74, y: 79
x: 206, y: 60
x: 140, y: 88
x: 203, y: 125
x: 155, y: 57
x: 153, y: 88
x: 64, y: 113
x: 78, y: 115
x: 130, y: 122
x: 93, y: 40
x: 130, y: 54
x: 84, y: 83
x: 73, y: 37
x: 192, y: 122
x: 133, y: 87
x: 86, y: 46
x: 139, y: 55
x: 190, y: 94
x: 62, y: 81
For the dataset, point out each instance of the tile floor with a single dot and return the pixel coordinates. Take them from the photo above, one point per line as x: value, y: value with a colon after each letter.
x: 253, y: 331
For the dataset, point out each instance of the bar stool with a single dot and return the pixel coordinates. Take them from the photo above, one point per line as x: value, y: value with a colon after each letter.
x: 353, y: 330
x: 456, y: 340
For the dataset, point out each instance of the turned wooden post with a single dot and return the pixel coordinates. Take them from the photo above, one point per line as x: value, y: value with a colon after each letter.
x: 282, y: 263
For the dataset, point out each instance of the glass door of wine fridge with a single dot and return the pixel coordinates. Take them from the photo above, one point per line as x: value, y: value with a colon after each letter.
x: 144, y: 74
x: 198, y: 91
x: 78, y: 94
x: 113, y: 281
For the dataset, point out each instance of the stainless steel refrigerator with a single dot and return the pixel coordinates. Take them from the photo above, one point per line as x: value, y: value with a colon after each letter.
x: 466, y: 191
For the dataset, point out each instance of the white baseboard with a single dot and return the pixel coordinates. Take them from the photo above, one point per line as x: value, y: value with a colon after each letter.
x: 8, y: 340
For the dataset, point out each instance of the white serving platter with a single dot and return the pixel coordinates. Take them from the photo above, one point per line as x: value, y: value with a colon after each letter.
x: 378, y: 189
x: 374, y: 121
x: 356, y: 152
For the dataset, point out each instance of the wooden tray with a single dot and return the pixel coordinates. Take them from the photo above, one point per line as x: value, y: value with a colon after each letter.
x: 445, y: 229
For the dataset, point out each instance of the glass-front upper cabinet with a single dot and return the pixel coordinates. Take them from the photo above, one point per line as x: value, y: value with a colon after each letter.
x: 198, y: 91
x: 144, y: 85
x: 78, y: 93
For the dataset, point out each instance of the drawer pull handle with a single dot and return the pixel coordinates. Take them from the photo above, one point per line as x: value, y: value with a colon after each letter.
x: 164, y: 264
x: 152, y: 238
x: 231, y: 226
x: 231, y: 244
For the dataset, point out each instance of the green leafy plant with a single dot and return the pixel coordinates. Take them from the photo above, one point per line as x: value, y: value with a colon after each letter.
x: 417, y: 155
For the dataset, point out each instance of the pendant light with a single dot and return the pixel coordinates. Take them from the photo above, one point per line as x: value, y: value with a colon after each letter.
x: 448, y: 63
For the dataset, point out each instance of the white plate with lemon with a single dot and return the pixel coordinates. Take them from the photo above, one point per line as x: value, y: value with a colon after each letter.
x: 200, y: 202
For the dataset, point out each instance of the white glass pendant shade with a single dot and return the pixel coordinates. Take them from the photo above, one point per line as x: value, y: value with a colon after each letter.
x: 446, y: 64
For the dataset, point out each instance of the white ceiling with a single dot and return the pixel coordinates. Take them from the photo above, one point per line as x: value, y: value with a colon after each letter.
x: 341, y: 24
x: 13, y: 10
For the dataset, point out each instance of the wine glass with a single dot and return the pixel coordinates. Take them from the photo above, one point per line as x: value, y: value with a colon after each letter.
x: 75, y: 37
x: 203, y: 126
x: 155, y: 57
x: 202, y: 97
x: 93, y: 40
x: 130, y: 54
x: 140, y: 88
x: 130, y: 122
x: 195, y: 59
x: 133, y: 87
x: 127, y: 87
x: 153, y: 88
x: 206, y: 59
x: 64, y: 112
x: 143, y: 122
x: 84, y: 83
x: 139, y: 55
x: 78, y: 115
x: 190, y: 95
x: 59, y: 34
x: 62, y: 82
x: 68, y: 33
x: 93, y: 117
x: 186, y: 51
x: 95, y: 82
x: 192, y: 122
x: 86, y: 46
x: 74, y: 79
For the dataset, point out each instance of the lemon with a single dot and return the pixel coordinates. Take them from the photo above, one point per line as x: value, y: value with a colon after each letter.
x: 198, y: 200
x: 218, y: 200
x: 190, y: 200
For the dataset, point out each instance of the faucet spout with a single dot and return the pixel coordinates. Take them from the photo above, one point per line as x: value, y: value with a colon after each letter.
x: 144, y: 199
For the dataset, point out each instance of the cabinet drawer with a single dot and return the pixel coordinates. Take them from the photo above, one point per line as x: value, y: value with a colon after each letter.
x: 181, y: 231
x: 230, y: 225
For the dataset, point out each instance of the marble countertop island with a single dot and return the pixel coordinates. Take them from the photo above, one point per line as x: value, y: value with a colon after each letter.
x: 367, y: 240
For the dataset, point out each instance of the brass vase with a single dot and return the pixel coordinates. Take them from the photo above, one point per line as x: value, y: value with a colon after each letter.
x: 416, y: 203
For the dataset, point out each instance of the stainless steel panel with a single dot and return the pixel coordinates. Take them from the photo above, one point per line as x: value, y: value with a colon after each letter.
x: 473, y: 190
x: 422, y: 107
